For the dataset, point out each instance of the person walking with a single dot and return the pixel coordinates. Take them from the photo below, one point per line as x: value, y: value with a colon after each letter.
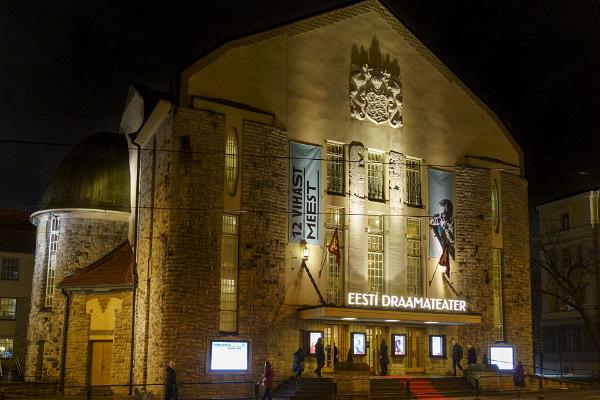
x: 383, y: 357
x: 519, y: 375
x: 320, y: 353
x: 471, y: 355
x: 267, y: 380
x: 298, y: 367
x: 171, y: 391
x: 457, y: 354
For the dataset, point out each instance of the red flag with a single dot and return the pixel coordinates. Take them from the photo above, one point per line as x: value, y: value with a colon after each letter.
x: 334, y: 246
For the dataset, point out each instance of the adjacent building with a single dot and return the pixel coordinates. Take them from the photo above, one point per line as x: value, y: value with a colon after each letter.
x: 327, y: 178
x: 17, y: 245
x: 567, y: 274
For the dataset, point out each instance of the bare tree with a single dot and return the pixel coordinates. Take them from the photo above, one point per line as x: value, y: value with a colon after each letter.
x: 571, y: 279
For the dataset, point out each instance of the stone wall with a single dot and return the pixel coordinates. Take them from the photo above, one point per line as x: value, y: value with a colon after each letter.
x: 81, y: 242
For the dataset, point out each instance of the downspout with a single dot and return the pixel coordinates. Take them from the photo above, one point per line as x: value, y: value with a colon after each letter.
x: 135, y: 258
x: 63, y: 356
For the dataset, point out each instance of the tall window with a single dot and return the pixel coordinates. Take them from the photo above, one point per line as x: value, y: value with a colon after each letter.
x: 334, y: 218
x: 10, y: 268
x: 413, y: 182
x: 376, y: 252
x: 375, y: 175
x: 229, y: 273
x: 54, y: 224
x: 497, y: 294
x: 564, y: 221
x: 8, y: 308
x: 335, y: 168
x: 7, y: 344
x: 495, y: 207
x: 231, y: 161
x: 413, y: 270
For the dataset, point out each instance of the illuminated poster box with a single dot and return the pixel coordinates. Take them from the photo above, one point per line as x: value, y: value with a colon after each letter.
x: 503, y: 356
x: 398, y: 345
x: 312, y: 342
x: 229, y: 356
x: 437, y: 346
x: 359, y: 346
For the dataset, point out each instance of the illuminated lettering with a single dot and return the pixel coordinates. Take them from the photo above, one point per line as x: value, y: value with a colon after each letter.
x: 395, y: 302
x: 415, y: 303
x: 385, y: 300
x: 463, y: 305
x: 351, y: 298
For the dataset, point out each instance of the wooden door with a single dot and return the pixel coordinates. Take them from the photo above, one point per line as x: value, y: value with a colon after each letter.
x: 374, y: 335
x: 415, y: 350
x: 101, y: 362
x: 332, y: 342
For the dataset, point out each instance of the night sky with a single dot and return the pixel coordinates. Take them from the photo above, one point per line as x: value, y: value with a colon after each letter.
x: 66, y: 65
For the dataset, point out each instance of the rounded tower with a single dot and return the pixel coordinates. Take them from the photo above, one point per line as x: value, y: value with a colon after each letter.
x: 83, y: 218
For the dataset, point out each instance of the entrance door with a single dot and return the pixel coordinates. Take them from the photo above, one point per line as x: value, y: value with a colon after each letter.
x: 415, y: 350
x: 101, y: 361
x: 374, y: 335
x: 334, y: 342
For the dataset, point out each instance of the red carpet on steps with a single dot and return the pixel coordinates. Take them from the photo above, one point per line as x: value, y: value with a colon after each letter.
x: 421, y: 388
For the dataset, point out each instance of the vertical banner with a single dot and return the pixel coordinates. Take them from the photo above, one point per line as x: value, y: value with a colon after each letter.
x: 441, y: 221
x: 305, y: 193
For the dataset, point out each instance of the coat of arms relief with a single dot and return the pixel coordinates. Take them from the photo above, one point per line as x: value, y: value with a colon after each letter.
x: 375, y: 90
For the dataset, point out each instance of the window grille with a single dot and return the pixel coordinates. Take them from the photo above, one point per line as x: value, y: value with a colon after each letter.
x: 375, y: 253
x: 10, y: 268
x: 229, y: 274
x: 414, y: 270
x: 413, y: 182
x: 335, y: 168
x: 334, y: 217
x: 375, y: 176
x: 497, y: 294
x: 8, y: 308
x: 231, y: 161
x: 51, y: 269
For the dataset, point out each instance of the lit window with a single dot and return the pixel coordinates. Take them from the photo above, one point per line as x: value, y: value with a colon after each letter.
x: 375, y: 175
x: 413, y: 182
x: 229, y: 274
x: 375, y: 255
x: 10, y: 268
x: 54, y: 224
x: 495, y: 208
x: 231, y: 161
x: 497, y: 294
x: 7, y: 344
x: 335, y: 168
x: 8, y: 307
x: 414, y: 270
x: 334, y: 218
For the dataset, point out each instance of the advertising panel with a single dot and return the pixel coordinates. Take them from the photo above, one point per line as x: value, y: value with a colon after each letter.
x: 305, y: 194
x: 441, y: 222
x: 229, y: 355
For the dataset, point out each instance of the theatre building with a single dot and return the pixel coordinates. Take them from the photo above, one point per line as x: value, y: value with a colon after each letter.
x: 329, y: 177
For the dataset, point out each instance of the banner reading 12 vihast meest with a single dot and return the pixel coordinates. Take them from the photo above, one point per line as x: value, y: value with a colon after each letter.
x: 305, y: 193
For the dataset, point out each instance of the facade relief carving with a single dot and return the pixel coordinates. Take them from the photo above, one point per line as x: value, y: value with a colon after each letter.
x: 375, y: 89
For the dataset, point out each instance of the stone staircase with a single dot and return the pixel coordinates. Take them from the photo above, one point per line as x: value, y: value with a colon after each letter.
x: 387, y: 388
x: 310, y: 388
x: 438, y: 388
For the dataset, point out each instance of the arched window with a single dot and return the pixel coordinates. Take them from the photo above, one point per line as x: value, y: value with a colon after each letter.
x: 495, y: 208
x: 231, y: 161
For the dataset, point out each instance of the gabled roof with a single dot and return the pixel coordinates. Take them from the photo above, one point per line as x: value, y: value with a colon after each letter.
x: 113, y: 271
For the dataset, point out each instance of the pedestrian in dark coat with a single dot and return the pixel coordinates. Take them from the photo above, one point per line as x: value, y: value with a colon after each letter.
x: 383, y: 357
x: 298, y: 367
x: 171, y: 391
x: 471, y: 355
x: 320, y: 353
x: 457, y: 354
x: 519, y: 375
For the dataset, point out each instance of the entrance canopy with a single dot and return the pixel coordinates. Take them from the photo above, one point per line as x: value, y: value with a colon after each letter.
x: 332, y: 313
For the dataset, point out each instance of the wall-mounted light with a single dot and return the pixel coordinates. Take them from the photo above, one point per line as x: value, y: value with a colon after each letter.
x: 305, y: 250
x: 349, y: 319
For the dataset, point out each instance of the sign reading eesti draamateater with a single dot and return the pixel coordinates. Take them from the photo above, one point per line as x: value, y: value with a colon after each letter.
x: 411, y: 303
x: 305, y: 193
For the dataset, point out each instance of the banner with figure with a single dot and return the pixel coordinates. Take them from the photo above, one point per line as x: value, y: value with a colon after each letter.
x: 305, y: 193
x: 441, y: 221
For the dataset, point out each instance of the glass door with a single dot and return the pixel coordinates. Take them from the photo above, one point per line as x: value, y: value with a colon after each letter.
x: 415, y: 350
x: 334, y: 342
x: 374, y: 335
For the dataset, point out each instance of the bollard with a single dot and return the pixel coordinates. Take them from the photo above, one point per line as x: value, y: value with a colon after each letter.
x: 256, y: 391
x: 89, y: 393
x: 408, y: 389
